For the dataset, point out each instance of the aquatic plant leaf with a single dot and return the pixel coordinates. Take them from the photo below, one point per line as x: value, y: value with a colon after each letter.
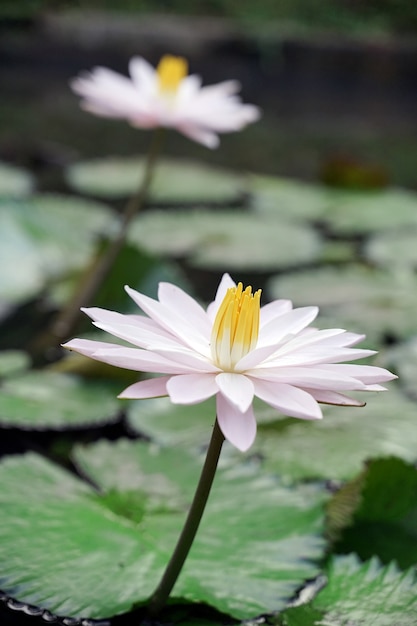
x: 53, y: 400
x: 360, y: 593
x: 82, y: 552
x: 175, y: 181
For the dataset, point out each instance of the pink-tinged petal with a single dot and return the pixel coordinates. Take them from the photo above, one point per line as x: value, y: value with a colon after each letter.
x: 184, y: 306
x: 139, y: 360
x: 143, y: 74
x: 313, y: 377
x: 368, y: 374
x: 191, y: 388
x: 151, y: 388
x: 141, y: 337
x: 332, y: 397
x: 288, y: 400
x: 88, y: 347
x: 255, y: 357
x: 238, y: 389
x: 237, y: 427
x: 207, y: 138
x: 226, y: 283
x: 315, y: 355
x: 111, y: 317
x: 375, y: 388
x: 187, y: 358
x: 286, y: 325
x: 190, y: 333
x: 274, y: 309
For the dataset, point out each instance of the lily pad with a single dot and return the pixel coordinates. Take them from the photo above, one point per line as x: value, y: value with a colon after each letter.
x: 360, y: 593
x: 227, y: 239
x: 43, y: 237
x: 353, y: 213
x: 12, y: 361
x: 175, y: 181
x: 356, y: 298
x: 290, y: 199
x: 80, y: 552
x: 403, y: 358
x: 383, y: 520
x: 333, y: 448
x: 14, y: 181
x: 394, y: 249
x: 52, y: 400
x: 337, y: 446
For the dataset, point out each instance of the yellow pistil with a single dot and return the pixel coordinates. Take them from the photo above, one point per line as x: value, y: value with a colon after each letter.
x: 171, y: 71
x: 236, y: 327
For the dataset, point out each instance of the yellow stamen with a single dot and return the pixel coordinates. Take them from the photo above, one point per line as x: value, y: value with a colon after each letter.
x: 171, y: 71
x: 236, y: 327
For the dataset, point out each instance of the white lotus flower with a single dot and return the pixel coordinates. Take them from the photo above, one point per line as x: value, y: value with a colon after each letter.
x: 234, y: 350
x: 166, y: 97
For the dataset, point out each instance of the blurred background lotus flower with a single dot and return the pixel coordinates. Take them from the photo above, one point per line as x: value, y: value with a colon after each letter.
x: 166, y: 96
x: 234, y: 350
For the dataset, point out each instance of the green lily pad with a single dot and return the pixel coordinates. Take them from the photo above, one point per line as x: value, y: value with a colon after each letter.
x: 394, y: 249
x: 14, y: 181
x: 42, y: 400
x: 356, y: 298
x: 353, y: 213
x: 12, y: 361
x: 82, y: 552
x: 403, y: 359
x: 43, y: 237
x: 227, y: 239
x: 335, y: 447
x: 358, y: 594
x: 382, y: 522
x: 290, y: 199
x: 175, y: 181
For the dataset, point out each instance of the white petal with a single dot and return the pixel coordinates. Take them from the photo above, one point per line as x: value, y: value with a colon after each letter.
x: 288, y: 399
x: 183, y: 305
x: 87, y: 347
x: 255, y: 357
x: 313, y: 377
x: 139, y: 360
x: 226, y: 283
x: 191, y: 388
x: 237, y: 427
x: 366, y: 373
x: 189, y: 359
x: 151, y: 388
x: 286, y: 325
x: 238, y: 389
x: 332, y: 397
x: 274, y: 309
x: 315, y: 355
x: 190, y: 333
x: 200, y: 135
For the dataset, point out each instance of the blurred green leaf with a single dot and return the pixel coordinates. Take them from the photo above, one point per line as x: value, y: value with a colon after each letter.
x: 15, y: 182
x: 42, y: 400
x: 80, y: 552
x: 175, y: 181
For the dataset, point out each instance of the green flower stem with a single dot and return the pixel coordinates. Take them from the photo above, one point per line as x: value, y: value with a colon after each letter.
x: 185, y: 541
x: 101, y: 264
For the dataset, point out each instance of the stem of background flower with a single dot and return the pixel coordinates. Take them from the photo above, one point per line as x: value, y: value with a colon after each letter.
x: 101, y: 265
x: 185, y: 541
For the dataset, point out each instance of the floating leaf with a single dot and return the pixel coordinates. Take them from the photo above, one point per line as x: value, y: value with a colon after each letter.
x: 393, y: 249
x: 42, y: 399
x: 403, y: 358
x: 80, y: 552
x: 175, y: 181
x: 359, y: 594
x: 291, y: 199
x: 14, y: 181
x: 44, y: 236
x: 12, y: 361
x: 354, y: 213
x: 337, y: 446
x: 226, y: 240
x: 356, y: 298
x: 383, y: 522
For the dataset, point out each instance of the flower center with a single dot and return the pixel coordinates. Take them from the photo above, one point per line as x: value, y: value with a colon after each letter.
x: 171, y: 71
x: 236, y: 327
